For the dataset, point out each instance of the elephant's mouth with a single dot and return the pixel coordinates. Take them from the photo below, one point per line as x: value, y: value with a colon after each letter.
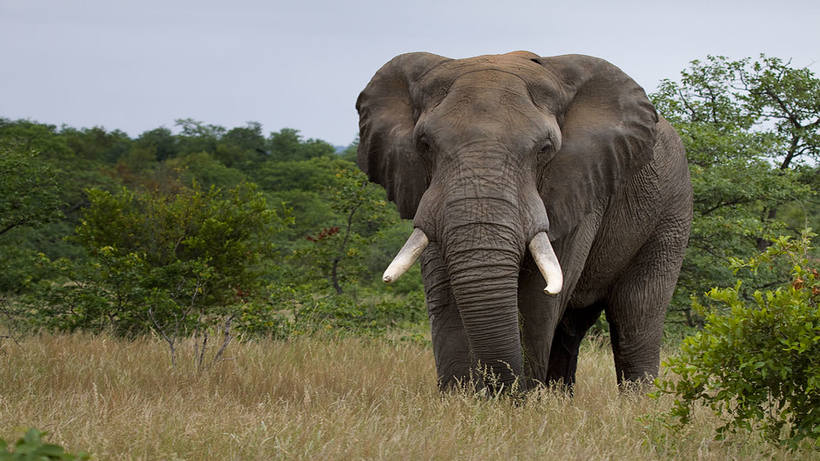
x: 539, y: 247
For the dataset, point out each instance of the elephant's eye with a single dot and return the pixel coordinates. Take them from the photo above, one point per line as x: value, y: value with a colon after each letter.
x: 547, y: 147
x: 422, y: 145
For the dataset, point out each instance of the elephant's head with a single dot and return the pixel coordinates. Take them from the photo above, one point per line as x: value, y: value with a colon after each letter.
x: 494, y: 156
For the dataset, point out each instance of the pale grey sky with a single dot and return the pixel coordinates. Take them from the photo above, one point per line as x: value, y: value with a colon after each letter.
x: 137, y: 65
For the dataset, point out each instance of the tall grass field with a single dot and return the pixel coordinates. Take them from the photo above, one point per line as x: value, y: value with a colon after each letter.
x: 327, y: 399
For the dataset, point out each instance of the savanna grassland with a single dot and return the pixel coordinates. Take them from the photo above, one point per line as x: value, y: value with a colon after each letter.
x: 326, y: 398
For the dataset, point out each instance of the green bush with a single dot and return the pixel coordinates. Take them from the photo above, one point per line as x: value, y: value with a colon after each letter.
x: 175, y: 265
x: 32, y: 448
x: 757, y: 359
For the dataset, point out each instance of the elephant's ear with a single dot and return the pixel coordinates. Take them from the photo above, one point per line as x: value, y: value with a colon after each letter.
x: 608, y: 134
x: 387, y: 116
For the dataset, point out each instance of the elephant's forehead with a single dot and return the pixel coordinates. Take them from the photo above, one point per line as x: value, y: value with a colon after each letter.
x: 510, y: 69
x: 514, y: 64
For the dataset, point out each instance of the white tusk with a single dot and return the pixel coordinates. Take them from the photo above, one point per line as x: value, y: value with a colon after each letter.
x: 547, y: 263
x: 408, y: 254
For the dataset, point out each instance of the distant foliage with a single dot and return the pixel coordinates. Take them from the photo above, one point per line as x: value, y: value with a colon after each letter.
x: 31, y: 447
x: 757, y: 359
x: 30, y: 194
x: 203, y: 168
x: 288, y: 145
x: 313, y: 174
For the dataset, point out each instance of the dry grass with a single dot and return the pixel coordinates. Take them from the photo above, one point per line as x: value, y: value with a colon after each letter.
x: 316, y: 398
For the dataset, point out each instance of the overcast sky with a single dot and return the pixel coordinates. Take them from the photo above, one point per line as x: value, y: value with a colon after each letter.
x: 138, y: 65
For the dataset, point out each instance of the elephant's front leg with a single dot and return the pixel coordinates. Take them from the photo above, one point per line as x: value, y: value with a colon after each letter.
x: 450, y: 346
x: 542, y: 313
x: 539, y: 316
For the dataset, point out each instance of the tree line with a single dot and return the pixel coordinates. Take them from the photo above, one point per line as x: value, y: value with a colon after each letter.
x: 208, y: 231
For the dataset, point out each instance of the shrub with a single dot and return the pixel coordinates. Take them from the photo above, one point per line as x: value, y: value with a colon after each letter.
x: 757, y: 359
x: 31, y: 447
x: 176, y: 265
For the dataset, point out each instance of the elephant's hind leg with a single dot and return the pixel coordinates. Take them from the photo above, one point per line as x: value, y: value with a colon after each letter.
x: 637, y: 305
x: 572, y: 328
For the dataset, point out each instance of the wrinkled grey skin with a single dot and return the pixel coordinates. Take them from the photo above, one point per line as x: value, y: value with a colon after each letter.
x: 483, y: 153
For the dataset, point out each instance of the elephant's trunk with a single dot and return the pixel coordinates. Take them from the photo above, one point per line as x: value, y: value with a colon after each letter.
x: 484, y: 283
x: 483, y: 241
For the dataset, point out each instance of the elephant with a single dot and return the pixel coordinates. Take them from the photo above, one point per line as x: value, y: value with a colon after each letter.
x: 517, y: 170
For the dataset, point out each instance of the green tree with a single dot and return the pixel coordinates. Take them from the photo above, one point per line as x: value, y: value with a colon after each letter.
x: 196, y: 136
x: 203, y: 168
x: 306, y: 175
x: 28, y: 136
x: 302, y: 185
x: 311, y: 211
x: 161, y: 140
x: 338, y: 251
x: 41, y: 183
x: 750, y: 129
x: 96, y: 144
x: 287, y: 144
x: 351, y: 151
x: 73, y: 172
x: 138, y: 161
x: 30, y: 197
x: 249, y: 137
x: 176, y: 265
x: 242, y: 147
x: 29, y: 192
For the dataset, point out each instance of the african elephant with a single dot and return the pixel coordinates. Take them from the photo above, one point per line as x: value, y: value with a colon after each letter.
x: 518, y: 169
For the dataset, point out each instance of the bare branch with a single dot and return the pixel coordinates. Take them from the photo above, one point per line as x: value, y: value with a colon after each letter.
x: 737, y: 201
x: 226, y: 341
x: 168, y: 340
x: 201, y: 357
